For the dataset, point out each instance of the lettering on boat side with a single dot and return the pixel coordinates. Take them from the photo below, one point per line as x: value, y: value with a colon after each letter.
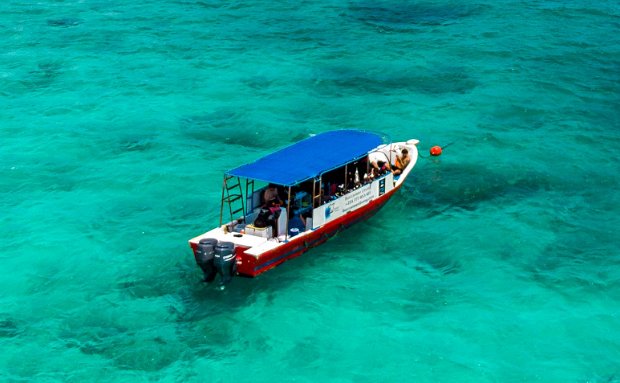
x: 343, y: 205
x: 357, y: 197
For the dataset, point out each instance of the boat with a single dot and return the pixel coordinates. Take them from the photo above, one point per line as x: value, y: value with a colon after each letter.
x: 287, y: 202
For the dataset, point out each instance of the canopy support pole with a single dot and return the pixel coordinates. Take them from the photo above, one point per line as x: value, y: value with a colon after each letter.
x: 288, y: 213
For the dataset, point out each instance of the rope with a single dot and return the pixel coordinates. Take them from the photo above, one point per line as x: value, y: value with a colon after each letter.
x: 442, y: 148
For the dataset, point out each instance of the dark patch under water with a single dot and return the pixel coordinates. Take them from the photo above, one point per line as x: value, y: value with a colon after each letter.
x: 228, y: 126
x: 121, y: 347
x: 406, y: 15
x: 389, y: 80
x: 465, y: 186
x: 136, y: 144
x: 258, y: 82
x: 65, y: 22
x: 576, y: 259
x: 435, y: 264
x: 9, y: 328
x: 44, y: 75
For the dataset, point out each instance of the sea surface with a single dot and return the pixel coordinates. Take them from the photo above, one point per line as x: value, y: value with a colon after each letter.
x: 498, y: 261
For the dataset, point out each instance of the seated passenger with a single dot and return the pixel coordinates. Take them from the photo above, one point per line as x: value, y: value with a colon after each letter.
x: 324, y: 198
x: 379, y: 162
x: 380, y: 167
x: 264, y: 218
x: 271, y: 196
x: 272, y: 203
x: 401, y: 162
x: 296, y: 221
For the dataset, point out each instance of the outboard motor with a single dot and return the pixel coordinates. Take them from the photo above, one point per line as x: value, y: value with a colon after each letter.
x: 225, y: 262
x: 204, y: 255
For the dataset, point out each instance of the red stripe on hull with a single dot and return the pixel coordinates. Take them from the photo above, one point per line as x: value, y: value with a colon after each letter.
x: 251, y: 266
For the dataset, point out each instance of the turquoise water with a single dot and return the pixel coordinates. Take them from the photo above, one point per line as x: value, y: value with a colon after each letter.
x: 496, y: 262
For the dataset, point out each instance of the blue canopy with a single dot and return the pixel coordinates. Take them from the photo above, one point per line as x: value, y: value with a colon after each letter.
x: 309, y: 158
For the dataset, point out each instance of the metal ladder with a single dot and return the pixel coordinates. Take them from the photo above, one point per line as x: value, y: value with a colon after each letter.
x: 231, y: 192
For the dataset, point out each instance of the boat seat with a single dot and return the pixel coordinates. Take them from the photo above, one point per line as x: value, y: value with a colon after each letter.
x: 265, y: 232
x: 281, y: 223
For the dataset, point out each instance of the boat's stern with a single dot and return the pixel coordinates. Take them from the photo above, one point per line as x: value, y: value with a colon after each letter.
x: 224, y: 253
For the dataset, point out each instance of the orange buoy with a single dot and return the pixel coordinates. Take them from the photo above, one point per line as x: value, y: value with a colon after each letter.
x: 436, y: 151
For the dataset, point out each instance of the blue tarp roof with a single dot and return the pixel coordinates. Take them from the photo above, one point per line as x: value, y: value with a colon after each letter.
x: 308, y: 158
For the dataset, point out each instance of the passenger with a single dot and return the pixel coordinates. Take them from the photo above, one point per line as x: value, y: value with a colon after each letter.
x: 333, y: 189
x: 272, y: 203
x: 264, y: 218
x: 379, y: 162
x: 401, y: 162
x: 271, y: 196
x: 380, y: 167
x: 325, y: 198
x: 296, y: 221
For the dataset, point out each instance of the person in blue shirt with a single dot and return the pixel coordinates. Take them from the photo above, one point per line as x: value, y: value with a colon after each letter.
x: 296, y: 221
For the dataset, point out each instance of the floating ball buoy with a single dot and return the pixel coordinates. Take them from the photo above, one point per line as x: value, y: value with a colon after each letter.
x: 436, y: 151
